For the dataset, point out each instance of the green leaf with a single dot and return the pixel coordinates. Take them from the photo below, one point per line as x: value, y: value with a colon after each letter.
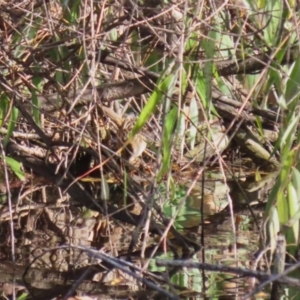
x: 201, y: 88
x: 293, y: 205
x: 292, y: 86
x: 4, y: 104
x: 11, y: 124
x: 71, y: 10
x: 209, y: 46
x: 261, y: 4
x: 273, y: 227
x: 272, y: 197
x: 285, y: 171
x: 296, y: 180
x: 194, y: 115
x: 292, y: 232
x: 37, y: 82
x: 282, y: 208
x: 15, y: 166
x: 153, y: 62
x: 288, y: 134
x: 150, y: 107
x: 167, y: 136
x: 282, y: 200
x: 257, y: 175
x: 274, y: 8
x: 105, y: 194
x: 23, y: 296
x: 276, y: 80
x: 180, y: 130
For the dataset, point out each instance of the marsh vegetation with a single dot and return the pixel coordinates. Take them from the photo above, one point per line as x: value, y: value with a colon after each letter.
x: 143, y: 143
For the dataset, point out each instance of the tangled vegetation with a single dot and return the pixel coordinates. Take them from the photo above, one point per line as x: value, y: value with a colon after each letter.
x: 130, y: 112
